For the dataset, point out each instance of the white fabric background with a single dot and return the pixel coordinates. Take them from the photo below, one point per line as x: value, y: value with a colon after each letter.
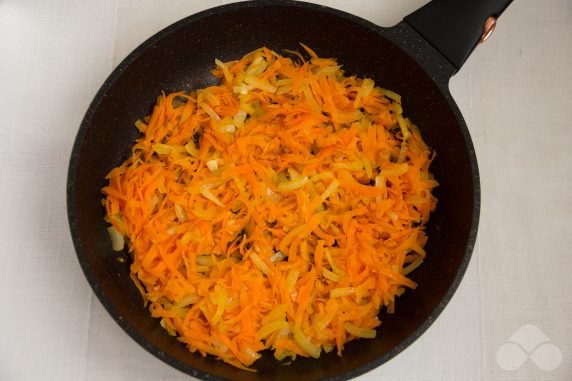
x: 515, y: 92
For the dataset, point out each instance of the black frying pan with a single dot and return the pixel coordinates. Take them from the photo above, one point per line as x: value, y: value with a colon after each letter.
x: 415, y: 58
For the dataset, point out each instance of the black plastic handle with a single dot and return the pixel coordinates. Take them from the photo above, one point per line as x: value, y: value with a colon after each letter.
x: 454, y: 27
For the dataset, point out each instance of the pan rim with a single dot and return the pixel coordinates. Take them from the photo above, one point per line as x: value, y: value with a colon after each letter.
x: 126, y: 62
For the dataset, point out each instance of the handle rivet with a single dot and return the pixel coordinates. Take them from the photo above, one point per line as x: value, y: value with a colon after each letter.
x: 488, y: 28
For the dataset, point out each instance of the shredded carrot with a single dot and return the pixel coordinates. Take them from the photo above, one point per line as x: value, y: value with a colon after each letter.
x: 281, y: 209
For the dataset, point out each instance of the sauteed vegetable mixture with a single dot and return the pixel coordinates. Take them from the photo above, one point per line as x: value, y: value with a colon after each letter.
x: 281, y: 209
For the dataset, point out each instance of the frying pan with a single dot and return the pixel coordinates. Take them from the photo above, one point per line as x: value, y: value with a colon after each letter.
x: 415, y: 58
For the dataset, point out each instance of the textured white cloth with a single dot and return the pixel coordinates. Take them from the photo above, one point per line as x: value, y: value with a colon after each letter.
x: 515, y: 92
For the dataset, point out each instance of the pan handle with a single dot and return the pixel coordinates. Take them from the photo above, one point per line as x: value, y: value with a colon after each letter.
x: 455, y: 27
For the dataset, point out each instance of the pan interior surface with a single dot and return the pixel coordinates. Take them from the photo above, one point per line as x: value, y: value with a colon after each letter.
x: 180, y: 58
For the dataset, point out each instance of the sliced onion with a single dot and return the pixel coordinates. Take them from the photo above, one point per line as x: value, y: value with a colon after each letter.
x: 117, y: 240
